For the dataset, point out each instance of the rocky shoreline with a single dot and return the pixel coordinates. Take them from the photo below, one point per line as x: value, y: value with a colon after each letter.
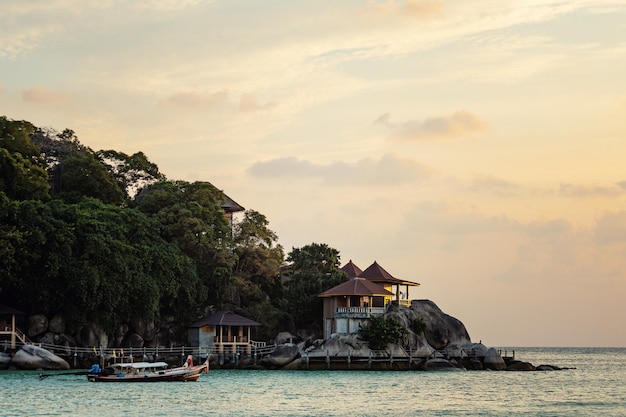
x: 440, y: 342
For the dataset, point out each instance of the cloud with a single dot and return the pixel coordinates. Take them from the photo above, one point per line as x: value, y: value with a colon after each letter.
x: 197, y: 100
x: 388, y: 170
x: 458, y: 125
x: 43, y: 95
x: 494, y: 185
x: 578, y: 191
x: 611, y: 228
x: 249, y: 103
x: 413, y: 9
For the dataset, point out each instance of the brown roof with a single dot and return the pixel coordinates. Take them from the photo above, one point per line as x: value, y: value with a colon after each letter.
x: 351, y: 270
x: 356, y: 286
x: 224, y: 318
x: 4, y: 309
x: 377, y: 273
x: 230, y: 206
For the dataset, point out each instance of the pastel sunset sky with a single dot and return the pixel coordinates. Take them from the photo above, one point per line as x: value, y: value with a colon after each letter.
x: 477, y: 147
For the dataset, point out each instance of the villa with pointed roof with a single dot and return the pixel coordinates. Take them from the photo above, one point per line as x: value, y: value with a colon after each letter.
x: 349, y: 305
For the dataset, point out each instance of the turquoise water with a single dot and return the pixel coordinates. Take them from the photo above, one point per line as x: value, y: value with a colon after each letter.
x: 596, y: 388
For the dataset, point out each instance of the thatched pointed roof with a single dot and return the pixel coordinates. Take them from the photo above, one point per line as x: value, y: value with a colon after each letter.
x: 356, y: 286
x: 377, y: 273
x: 351, y: 270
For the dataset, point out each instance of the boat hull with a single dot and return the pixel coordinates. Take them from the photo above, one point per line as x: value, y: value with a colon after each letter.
x: 189, y: 374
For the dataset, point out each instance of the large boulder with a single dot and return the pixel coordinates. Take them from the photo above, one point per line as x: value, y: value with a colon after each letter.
x: 33, y: 357
x: 493, y: 360
x: 57, y: 324
x: 282, y: 355
x: 94, y: 335
x: 440, y: 329
x: 440, y: 365
x: 37, y: 324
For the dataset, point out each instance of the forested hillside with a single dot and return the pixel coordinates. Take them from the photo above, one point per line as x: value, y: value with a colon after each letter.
x: 100, y: 236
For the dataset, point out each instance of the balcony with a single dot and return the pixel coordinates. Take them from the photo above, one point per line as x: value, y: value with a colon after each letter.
x: 358, y: 312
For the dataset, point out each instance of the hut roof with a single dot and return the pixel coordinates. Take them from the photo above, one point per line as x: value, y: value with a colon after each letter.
x: 356, y: 286
x: 351, y: 269
x: 377, y: 273
x: 4, y: 309
x: 224, y: 318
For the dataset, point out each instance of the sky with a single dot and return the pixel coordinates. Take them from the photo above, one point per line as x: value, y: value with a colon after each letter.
x: 474, y: 146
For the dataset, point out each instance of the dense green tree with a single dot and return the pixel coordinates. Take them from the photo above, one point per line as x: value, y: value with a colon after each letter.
x: 191, y: 216
x: 81, y: 174
x: 92, y: 260
x: 381, y: 330
x: 21, y: 179
x: 257, y: 270
x: 312, y: 269
x: 15, y: 137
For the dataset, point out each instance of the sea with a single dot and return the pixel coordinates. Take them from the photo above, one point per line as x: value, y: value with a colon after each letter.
x: 596, y: 387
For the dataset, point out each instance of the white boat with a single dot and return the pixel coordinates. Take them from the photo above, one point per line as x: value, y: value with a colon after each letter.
x: 147, y: 372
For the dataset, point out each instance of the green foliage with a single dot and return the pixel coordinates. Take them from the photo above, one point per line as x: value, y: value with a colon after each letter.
x: 190, y: 216
x: 419, y: 326
x: 81, y: 174
x: 313, y: 269
x: 381, y: 330
x: 91, y: 261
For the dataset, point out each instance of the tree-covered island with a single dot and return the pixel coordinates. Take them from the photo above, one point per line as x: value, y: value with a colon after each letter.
x: 105, y: 245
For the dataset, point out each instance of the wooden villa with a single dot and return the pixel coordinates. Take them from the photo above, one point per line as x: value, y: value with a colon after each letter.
x: 349, y: 305
x: 223, y: 332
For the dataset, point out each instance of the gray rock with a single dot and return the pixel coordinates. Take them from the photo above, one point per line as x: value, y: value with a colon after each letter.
x: 520, y: 366
x: 57, y: 324
x: 441, y: 328
x: 33, y: 357
x: 5, y: 360
x: 285, y: 337
x: 37, y: 324
x: 94, y: 335
x: 493, y: 360
x: 440, y: 365
x: 282, y: 355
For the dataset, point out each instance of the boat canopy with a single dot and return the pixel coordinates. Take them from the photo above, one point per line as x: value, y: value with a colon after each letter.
x: 142, y: 365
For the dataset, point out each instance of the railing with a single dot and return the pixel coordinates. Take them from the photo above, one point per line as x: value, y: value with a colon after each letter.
x: 358, y: 312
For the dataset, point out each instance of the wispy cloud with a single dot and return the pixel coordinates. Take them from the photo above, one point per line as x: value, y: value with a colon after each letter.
x: 458, y: 125
x: 582, y: 190
x: 413, y: 9
x: 44, y: 95
x: 494, y: 185
x: 198, y: 100
x: 388, y: 170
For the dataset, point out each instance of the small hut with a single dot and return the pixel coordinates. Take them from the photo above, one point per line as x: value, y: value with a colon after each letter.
x: 223, y: 332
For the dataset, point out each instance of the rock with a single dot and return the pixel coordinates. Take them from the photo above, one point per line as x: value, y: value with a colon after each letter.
x: 5, y: 360
x: 439, y: 365
x: 33, y: 357
x: 37, y: 324
x: 94, y: 335
x: 57, y: 324
x: 548, y: 368
x: 282, y: 355
x: 520, y: 366
x: 493, y: 360
x: 285, y: 337
x: 475, y: 350
x: 134, y: 341
x: 440, y: 328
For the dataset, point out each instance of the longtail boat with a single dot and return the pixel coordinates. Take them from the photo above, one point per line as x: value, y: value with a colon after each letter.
x: 147, y: 372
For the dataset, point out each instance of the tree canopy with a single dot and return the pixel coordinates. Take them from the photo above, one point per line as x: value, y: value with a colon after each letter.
x: 75, y: 241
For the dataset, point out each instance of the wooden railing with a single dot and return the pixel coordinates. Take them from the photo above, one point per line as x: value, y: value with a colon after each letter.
x: 358, y: 312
